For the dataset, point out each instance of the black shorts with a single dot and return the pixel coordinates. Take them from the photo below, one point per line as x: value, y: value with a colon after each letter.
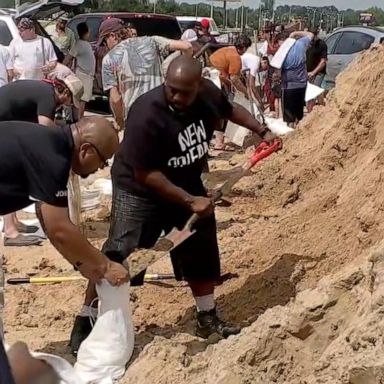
x: 137, y: 222
x: 293, y: 104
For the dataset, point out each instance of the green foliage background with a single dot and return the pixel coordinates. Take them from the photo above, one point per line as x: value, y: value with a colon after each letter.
x: 281, y: 13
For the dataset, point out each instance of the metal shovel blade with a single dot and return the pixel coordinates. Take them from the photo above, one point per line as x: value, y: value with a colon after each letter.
x: 173, y: 239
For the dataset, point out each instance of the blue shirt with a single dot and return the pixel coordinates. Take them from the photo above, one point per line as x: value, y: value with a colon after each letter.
x: 294, y: 70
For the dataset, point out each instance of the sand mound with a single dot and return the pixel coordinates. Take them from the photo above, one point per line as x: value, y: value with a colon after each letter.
x: 332, y: 334
x: 304, y: 214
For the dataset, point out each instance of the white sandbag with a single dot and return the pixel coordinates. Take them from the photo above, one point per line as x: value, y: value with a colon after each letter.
x: 235, y: 133
x: 30, y: 209
x: 104, y: 185
x: 278, y: 126
x: 312, y: 92
x: 103, y: 355
x: 282, y: 52
x: 213, y: 75
x: 63, y: 369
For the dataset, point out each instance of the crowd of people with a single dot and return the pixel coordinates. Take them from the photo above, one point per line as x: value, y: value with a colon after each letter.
x: 168, y: 125
x: 279, y: 91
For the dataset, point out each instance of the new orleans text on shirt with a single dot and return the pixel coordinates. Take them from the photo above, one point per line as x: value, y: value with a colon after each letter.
x: 193, y: 143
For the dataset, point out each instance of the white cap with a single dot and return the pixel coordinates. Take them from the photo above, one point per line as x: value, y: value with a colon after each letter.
x: 76, y: 87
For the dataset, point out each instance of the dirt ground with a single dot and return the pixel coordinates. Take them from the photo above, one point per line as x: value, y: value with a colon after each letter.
x: 310, y: 211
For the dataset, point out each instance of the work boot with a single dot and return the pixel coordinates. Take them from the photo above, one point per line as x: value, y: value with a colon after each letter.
x: 208, y: 324
x: 80, y: 331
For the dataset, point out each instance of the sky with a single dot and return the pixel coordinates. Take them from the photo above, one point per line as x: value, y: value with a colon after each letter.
x: 341, y: 4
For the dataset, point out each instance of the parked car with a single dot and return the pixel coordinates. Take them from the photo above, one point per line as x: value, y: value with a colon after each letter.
x: 147, y: 24
x: 40, y: 9
x: 345, y: 44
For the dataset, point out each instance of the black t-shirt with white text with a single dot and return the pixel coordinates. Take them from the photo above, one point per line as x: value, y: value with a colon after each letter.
x: 158, y: 138
x: 35, y: 164
x: 26, y: 100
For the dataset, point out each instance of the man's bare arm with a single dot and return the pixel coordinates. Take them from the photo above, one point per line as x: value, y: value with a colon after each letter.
x: 159, y: 183
x: 319, y: 68
x: 300, y: 34
x: 235, y: 79
x: 244, y: 118
x: 181, y: 45
x: 44, y: 120
x: 117, y: 106
x: 10, y: 75
x: 255, y: 93
x: 68, y: 240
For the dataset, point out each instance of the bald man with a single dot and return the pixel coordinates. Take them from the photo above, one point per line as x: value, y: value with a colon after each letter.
x: 35, y: 164
x: 157, y: 183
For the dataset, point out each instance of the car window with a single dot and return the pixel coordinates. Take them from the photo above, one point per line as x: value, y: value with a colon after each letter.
x: 331, y: 42
x: 5, y: 34
x: 184, y: 24
x: 155, y: 27
x: 353, y: 42
x: 73, y: 25
x: 214, y: 26
x: 93, y: 25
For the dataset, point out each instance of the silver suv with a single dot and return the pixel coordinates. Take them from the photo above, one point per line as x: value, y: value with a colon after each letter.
x: 345, y: 44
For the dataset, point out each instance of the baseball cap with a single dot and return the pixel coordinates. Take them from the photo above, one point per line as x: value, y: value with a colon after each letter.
x: 25, y: 24
x: 205, y: 23
x: 108, y: 26
x: 76, y: 87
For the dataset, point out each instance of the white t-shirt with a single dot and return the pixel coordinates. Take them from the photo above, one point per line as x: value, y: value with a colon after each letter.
x: 251, y: 62
x: 5, y: 65
x: 263, y: 50
x: 28, y: 58
x: 85, y: 58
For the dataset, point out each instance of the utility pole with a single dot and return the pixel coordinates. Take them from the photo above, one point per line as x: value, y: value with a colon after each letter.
x: 211, y: 9
x: 17, y: 3
x: 242, y: 16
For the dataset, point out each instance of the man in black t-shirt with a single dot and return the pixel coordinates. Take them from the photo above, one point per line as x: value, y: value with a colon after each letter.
x: 317, y: 55
x: 35, y: 164
x: 37, y: 100
x: 34, y: 101
x: 157, y: 182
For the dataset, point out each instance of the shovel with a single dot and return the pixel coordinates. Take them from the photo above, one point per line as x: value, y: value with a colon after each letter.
x: 140, y: 260
x: 68, y: 279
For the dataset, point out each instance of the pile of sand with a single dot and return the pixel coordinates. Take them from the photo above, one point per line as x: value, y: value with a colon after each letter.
x: 304, y: 213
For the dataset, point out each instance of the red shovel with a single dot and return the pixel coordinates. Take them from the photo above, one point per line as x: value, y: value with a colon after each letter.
x: 142, y: 259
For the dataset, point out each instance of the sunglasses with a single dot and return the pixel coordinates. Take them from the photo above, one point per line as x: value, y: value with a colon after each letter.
x: 102, y: 158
